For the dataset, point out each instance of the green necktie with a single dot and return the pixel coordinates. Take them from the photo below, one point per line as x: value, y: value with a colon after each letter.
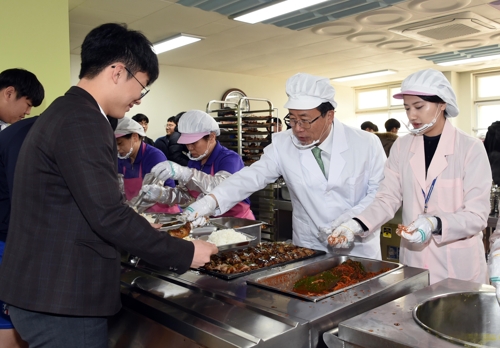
x: 317, y: 155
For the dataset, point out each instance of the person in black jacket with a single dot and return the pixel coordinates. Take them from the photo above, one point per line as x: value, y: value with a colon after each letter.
x: 176, y: 152
x: 143, y: 120
x: 162, y: 142
x: 492, y: 146
x: 60, y: 274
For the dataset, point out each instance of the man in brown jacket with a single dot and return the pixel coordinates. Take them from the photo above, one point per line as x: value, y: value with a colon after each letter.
x: 61, y: 270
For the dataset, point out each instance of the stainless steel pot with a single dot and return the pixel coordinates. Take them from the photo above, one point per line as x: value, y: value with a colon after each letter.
x: 470, y: 319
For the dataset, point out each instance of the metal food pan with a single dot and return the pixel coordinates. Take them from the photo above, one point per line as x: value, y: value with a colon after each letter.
x: 233, y: 245
x: 284, y: 281
x: 251, y: 227
x: 242, y: 274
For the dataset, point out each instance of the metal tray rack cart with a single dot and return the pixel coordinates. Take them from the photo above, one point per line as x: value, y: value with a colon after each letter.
x: 247, y: 133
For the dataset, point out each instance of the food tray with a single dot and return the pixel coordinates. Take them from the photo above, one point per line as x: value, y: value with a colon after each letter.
x: 233, y: 245
x: 242, y: 274
x: 284, y: 281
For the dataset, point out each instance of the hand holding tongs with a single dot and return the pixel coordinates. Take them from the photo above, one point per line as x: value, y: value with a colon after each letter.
x: 135, y: 203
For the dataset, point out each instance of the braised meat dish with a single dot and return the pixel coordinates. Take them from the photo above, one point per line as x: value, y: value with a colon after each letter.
x: 182, y: 231
x: 347, y: 273
x: 260, y: 256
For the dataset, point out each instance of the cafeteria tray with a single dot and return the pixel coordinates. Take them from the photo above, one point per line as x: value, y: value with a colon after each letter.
x: 284, y: 281
x: 232, y: 245
x: 242, y: 274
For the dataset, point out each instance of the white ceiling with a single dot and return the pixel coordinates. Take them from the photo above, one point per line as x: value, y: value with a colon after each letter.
x: 351, y: 45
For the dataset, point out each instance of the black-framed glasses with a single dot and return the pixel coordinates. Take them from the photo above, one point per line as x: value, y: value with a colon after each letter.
x: 145, y: 90
x: 302, y: 123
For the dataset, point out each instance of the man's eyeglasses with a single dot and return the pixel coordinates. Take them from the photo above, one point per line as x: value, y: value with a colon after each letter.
x: 145, y: 90
x: 302, y: 123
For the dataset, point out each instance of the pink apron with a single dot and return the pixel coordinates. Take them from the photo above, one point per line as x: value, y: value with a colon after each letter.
x: 240, y: 210
x: 133, y: 186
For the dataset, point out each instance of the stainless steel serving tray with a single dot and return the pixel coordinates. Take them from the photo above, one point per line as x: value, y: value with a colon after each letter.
x: 284, y: 281
x: 233, y: 245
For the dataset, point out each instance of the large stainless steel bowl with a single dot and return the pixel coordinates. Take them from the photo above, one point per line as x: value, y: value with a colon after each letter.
x: 471, y: 319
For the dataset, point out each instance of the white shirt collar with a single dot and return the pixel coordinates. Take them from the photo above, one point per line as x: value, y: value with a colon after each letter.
x: 326, y: 145
x: 102, y: 112
x: 3, y: 125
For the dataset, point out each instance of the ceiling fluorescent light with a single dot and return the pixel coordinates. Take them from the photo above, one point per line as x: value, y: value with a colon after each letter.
x: 363, y: 76
x: 276, y: 10
x: 469, y: 60
x: 176, y: 41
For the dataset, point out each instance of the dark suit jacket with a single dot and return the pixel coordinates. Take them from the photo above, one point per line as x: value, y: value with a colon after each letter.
x: 68, y: 217
x: 11, y: 139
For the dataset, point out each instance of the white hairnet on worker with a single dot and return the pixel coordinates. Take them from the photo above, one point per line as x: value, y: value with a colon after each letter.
x: 194, y: 125
x: 126, y: 126
x: 430, y: 82
x: 307, y: 92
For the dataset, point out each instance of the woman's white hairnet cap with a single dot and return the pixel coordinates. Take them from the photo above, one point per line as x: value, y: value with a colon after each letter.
x: 194, y: 125
x: 126, y: 126
x: 430, y: 82
x: 307, y: 92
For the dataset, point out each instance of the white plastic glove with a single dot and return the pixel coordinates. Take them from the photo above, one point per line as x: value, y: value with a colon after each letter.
x: 326, y: 231
x: 420, y: 230
x: 494, y: 269
x: 343, y: 236
x: 199, y: 211
x: 171, y: 170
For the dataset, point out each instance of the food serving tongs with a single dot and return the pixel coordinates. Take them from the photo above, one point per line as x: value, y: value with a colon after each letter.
x: 149, y: 179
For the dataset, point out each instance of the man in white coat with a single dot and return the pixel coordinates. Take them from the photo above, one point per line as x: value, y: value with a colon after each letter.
x: 341, y: 183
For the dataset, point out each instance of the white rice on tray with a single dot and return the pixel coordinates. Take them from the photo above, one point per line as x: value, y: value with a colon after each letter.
x: 224, y: 237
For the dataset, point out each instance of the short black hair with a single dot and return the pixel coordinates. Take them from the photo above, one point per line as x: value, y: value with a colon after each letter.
x: 172, y: 119
x: 140, y: 117
x: 25, y: 83
x: 392, y: 123
x: 276, y: 120
x: 111, y: 43
x: 369, y: 124
x: 325, y: 107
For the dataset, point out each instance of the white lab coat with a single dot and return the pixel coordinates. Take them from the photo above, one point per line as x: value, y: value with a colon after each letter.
x: 460, y: 199
x: 356, y: 168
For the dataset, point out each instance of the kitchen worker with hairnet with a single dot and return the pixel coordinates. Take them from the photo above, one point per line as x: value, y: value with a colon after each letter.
x: 135, y: 161
x: 442, y: 178
x: 209, y: 164
x: 332, y: 170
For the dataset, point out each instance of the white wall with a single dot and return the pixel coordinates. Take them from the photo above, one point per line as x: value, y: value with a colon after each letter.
x: 345, y: 112
x: 181, y: 89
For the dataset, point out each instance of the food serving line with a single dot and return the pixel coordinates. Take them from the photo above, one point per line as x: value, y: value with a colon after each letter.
x: 195, y: 309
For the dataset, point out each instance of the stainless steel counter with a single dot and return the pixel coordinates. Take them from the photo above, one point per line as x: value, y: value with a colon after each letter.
x: 197, y: 310
x: 392, y: 324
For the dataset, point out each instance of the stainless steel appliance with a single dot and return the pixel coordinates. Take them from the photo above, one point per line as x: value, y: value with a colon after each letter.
x: 451, y: 308
x: 162, y: 309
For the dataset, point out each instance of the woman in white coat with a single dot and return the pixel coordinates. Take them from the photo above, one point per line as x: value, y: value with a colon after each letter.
x: 342, y: 186
x: 442, y: 178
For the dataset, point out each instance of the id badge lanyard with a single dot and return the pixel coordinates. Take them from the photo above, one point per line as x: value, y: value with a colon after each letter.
x: 426, y: 198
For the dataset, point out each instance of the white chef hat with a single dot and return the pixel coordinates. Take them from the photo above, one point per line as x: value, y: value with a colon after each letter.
x: 126, y: 126
x: 430, y: 82
x: 194, y: 125
x: 307, y: 92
